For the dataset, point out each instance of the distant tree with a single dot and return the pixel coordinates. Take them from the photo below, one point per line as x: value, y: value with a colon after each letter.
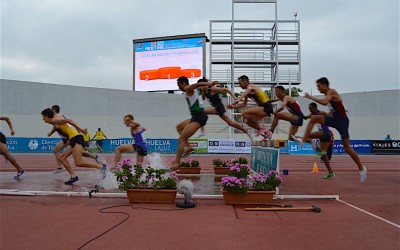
x: 295, y: 91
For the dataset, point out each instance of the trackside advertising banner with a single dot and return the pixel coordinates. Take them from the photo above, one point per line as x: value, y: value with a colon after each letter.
x: 385, y: 147
x: 360, y: 146
x: 221, y: 146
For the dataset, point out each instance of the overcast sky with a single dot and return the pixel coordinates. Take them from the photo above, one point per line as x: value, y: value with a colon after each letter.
x: 355, y: 43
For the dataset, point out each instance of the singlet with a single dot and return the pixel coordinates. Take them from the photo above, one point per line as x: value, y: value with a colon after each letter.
x: 99, y: 135
x: 195, y: 102
x: 139, y: 139
x: 60, y: 132
x: 337, y: 108
x: 294, y: 108
x: 67, y: 131
x: 260, y: 97
x: 214, y: 99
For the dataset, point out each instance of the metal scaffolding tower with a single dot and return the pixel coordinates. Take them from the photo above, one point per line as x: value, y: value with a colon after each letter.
x: 267, y: 51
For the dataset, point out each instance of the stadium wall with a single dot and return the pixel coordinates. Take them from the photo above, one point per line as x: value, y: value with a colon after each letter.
x: 372, y: 115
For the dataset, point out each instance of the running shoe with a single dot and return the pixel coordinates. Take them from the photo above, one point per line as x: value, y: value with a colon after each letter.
x: 58, y: 170
x: 72, y: 180
x: 19, y: 174
x: 297, y: 140
x: 319, y: 154
x: 267, y: 136
x: 261, y: 131
x: 363, y: 175
x: 330, y: 175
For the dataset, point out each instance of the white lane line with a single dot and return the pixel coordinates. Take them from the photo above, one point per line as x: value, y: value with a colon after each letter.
x: 371, y: 214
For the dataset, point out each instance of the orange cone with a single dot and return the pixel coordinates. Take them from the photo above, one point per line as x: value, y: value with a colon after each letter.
x: 315, y: 168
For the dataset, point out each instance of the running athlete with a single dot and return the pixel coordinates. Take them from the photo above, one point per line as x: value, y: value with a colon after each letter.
x: 217, y: 108
x: 61, y: 144
x: 324, y: 135
x: 338, y: 120
x: 295, y: 116
x: 75, y: 141
x: 255, y: 113
x: 4, y: 150
x: 139, y: 146
x: 188, y: 127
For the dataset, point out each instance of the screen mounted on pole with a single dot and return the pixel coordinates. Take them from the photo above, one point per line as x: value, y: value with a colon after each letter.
x: 158, y: 62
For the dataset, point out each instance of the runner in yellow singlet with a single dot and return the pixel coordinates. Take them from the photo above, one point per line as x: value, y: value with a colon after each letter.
x: 76, y: 142
x: 255, y: 113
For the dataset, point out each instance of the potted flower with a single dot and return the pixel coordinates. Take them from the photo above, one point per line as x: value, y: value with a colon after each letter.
x: 221, y: 166
x: 146, y: 184
x: 189, y: 167
x: 240, y: 188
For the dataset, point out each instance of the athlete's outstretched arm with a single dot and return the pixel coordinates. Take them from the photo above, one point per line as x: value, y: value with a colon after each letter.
x: 76, y: 126
x: 283, y: 104
x: 324, y: 101
x: 191, y: 87
x: 52, y: 131
x: 9, y: 123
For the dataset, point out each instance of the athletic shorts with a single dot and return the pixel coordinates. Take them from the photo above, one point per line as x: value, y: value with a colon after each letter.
x: 77, y: 140
x: 326, y: 137
x: 65, y: 140
x: 299, y: 121
x: 341, y: 123
x: 2, y: 138
x: 140, y: 150
x: 220, y: 109
x: 267, y: 108
x: 99, y: 143
x: 200, y: 118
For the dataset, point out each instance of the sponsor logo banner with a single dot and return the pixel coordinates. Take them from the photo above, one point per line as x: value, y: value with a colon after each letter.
x: 221, y: 146
x: 199, y: 145
x: 360, y: 146
x: 386, y: 147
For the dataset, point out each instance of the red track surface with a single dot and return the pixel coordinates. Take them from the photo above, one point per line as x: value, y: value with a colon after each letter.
x: 49, y: 222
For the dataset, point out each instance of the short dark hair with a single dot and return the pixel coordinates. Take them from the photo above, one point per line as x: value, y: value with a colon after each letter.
x: 48, y: 113
x: 203, y: 80
x: 129, y: 116
x: 244, y: 77
x: 323, y: 80
x: 313, y: 104
x: 281, y: 88
x: 183, y: 79
x: 56, y: 108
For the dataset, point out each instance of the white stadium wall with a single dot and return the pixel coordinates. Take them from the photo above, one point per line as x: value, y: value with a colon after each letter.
x: 372, y: 115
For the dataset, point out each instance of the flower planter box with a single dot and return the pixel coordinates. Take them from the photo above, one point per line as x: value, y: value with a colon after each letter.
x: 151, y: 195
x: 250, y: 198
x: 221, y: 170
x: 189, y: 170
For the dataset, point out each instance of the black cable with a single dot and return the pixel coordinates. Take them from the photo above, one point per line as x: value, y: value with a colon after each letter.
x: 127, y: 217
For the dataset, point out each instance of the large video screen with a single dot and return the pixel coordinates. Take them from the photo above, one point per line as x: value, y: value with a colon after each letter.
x: 157, y: 64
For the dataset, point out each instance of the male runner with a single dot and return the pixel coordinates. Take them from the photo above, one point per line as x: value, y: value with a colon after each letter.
x: 217, y: 108
x: 61, y: 144
x: 324, y: 135
x: 139, y: 146
x: 75, y: 141
x: 188, y: 127
x: 295, y: 116
x: 4, y: 149
x: 338, y: 120
x: 255, y: 113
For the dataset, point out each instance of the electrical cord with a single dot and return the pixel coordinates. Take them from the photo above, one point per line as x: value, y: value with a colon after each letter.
x: 102, y: 210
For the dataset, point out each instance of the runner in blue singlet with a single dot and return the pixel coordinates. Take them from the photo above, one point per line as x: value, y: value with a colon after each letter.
x: 139, y: 144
